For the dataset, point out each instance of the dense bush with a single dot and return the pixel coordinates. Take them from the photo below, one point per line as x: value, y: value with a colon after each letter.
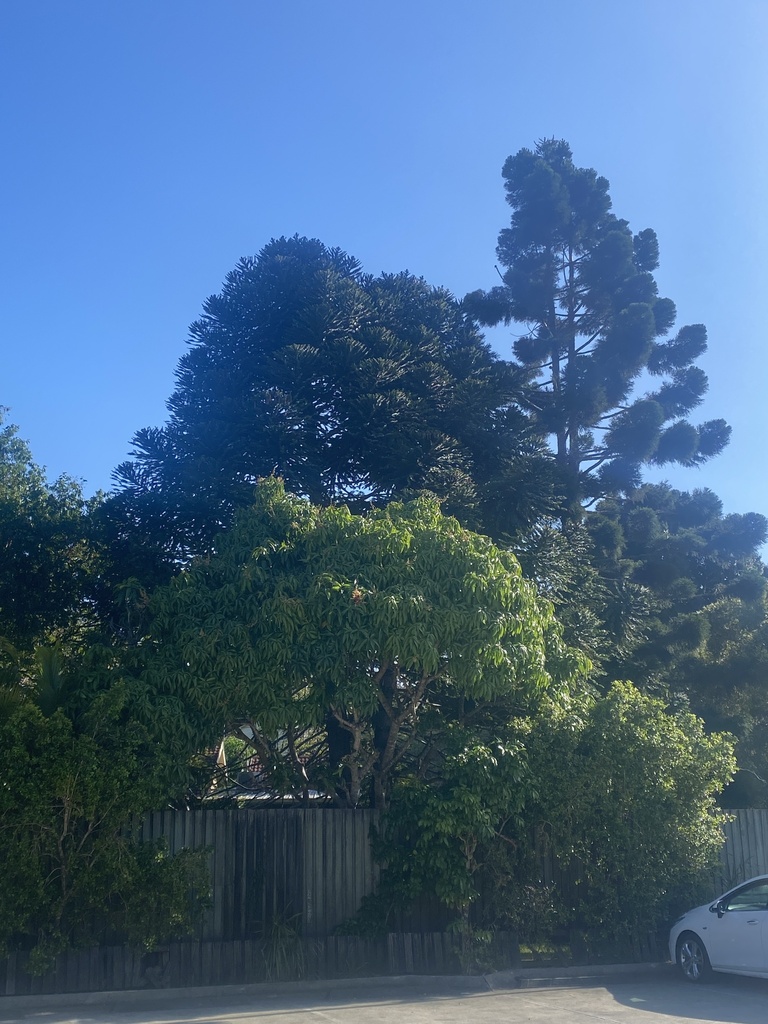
x: 72, y: 871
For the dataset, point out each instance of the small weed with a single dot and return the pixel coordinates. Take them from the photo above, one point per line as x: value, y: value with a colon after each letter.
x: 283, y: 949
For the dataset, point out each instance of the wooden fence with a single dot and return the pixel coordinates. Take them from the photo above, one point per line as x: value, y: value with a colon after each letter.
x: 311, y: 867
x: 235, y: 962
x: 745, y: 853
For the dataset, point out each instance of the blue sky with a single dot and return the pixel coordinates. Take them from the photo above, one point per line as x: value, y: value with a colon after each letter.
x: 149, y: 144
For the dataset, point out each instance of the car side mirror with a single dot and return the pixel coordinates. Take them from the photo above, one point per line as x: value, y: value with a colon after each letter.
x: 717, y: 908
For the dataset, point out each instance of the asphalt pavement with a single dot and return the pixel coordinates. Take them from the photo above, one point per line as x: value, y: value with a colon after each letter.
x: 619, y: 994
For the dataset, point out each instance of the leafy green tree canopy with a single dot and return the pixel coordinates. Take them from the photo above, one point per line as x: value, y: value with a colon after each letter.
x: 45, y: 556
x: 314, y: 620
x: 581, y: 285
x: 352, y: 388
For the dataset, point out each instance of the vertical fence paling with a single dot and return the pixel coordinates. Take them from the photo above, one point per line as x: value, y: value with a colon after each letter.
x: 275, y: 864
x: 745, y: 853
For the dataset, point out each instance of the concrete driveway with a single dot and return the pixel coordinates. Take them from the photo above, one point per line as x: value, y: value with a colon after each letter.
x: 646, y: 997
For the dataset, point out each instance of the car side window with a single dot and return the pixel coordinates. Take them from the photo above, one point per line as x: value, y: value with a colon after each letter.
x: 751, y: 897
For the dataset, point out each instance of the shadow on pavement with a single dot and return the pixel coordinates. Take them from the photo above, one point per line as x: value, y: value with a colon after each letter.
x: 727, y: 998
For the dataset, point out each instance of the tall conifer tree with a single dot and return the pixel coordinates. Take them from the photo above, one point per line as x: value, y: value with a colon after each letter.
x: 352, y: 388
x: 581, y: 286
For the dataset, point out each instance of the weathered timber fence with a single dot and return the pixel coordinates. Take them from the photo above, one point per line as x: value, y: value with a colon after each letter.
x: 745, y: 853
x: 310, y: 867
x: 233, y: 962
x: 313, y: 865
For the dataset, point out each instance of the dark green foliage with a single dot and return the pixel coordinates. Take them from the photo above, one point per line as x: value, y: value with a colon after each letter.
x: 581, y: 285
x: 72, y: 873
x: 618, y: 787
x: 63, y: 561
x: 644, y: 586
x: 689, y: 558
x: 134, y: 557
x: 700, y: 586
x: 434, y: 838
x: 352, y: 388
x: 625, y: 794
x: 46, y: 558
x: 602, y: 613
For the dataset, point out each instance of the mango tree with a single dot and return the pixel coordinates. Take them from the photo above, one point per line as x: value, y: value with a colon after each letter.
x: 341, y: 633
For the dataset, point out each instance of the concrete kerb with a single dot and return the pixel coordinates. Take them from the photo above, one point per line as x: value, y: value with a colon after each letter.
x: 258, y: 992
x: 551, y: 977
x: 366, y: 988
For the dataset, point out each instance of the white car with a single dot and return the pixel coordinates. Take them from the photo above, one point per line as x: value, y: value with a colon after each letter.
x: 729, y: 935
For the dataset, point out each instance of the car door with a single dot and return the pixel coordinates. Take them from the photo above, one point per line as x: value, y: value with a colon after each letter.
x: 738, y: 934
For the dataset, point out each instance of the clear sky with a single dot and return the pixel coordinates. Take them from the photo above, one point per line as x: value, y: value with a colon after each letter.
x: 148, y: 144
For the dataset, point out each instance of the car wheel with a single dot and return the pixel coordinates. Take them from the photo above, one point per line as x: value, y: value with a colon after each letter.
x: 692, y: 958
